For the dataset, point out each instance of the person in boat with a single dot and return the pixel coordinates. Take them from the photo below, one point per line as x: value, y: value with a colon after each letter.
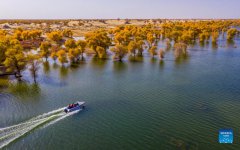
x: 72, y: 105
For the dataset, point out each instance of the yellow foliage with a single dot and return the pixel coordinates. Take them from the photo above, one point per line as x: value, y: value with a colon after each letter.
x: 62, y: 56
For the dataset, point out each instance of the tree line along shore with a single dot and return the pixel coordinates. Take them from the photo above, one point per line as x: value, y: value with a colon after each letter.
x: 22, y: 49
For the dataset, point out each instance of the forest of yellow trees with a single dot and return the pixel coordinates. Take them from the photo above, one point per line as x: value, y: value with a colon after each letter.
x: 21, y: 48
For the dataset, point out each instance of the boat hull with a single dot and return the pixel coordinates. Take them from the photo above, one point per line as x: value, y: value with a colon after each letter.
x: 80, y: 106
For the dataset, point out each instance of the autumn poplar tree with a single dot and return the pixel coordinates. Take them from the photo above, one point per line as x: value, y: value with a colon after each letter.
x: 120, y: 51
x: 99, y: 42
x: 15, y: 60
x: 45, y: 50
x: 81, y: 46
x: 34, y: 62
x: 62, y: 56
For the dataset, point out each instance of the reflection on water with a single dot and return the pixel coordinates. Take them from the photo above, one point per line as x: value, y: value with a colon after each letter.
x: 230, y: 43
x: 161, y: 64
x: 55, y: 65
x: 119, y: 66
x: 4, y: 82
x: 74, y: 66
x: 99, y: 63
x: 53, y: 81
x: 135, y: 58
x: 153, y: 60
x: 207, y: 44
x: 24, y: 90
x: 46, y: 67
x: 202, y: 44
x: 182, y: 60
x: 180, y: 106
x: 214, y: 46
x: 193, y: 43
x: 64, y: 72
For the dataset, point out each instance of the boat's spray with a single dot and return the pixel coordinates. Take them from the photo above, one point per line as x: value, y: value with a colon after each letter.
x: 11, y: 133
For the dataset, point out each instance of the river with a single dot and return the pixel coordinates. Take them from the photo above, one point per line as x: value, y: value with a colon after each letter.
x: 141, y: 104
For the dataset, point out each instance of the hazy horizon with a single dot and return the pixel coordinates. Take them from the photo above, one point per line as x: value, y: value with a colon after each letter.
x: 106, y: 9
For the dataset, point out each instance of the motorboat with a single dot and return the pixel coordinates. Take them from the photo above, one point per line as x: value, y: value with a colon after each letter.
x: 74, y: 107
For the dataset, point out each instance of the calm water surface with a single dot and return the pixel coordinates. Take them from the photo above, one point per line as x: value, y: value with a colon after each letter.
x: 145, y: 104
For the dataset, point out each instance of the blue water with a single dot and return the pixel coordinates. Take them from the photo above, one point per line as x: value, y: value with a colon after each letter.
x: 143, y: 104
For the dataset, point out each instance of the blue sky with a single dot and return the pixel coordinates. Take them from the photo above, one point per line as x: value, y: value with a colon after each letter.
x: 84, y: 9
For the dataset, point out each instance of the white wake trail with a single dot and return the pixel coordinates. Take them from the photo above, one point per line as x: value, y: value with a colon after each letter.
x: 32, y: 120
x: 11, y: 133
